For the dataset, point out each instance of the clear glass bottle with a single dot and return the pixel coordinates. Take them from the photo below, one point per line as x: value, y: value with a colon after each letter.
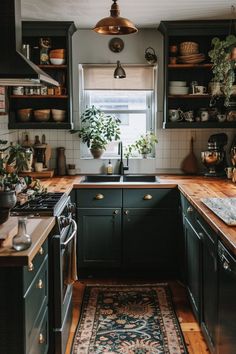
x: 22, y: 240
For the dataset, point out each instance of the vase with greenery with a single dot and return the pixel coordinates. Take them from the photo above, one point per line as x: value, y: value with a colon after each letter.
x: 223, y: 64
x: 144, y: 145
x: 97, y: 130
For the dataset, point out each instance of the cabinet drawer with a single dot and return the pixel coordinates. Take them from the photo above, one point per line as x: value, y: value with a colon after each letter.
x: 40, y: 340
x: 92, y: 198
x: 36, y: 297
x: 30, y: 271
x: 150, y: 198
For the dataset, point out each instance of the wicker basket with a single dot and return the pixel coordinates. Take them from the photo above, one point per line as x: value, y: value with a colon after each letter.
x: 187, y: 48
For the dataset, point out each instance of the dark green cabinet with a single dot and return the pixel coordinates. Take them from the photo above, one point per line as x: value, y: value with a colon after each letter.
x: 99, y: 238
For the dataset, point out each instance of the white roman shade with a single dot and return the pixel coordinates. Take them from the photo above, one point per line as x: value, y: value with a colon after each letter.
x: 138, y: 77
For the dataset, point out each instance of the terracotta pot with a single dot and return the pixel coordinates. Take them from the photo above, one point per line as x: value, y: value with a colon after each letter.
x: 7, y: 201
x: 97, y: 153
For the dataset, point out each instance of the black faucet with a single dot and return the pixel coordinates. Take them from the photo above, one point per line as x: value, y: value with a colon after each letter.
x: 122, y: 168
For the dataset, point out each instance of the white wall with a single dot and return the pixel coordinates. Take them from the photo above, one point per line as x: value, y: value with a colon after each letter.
x: 173, y: 145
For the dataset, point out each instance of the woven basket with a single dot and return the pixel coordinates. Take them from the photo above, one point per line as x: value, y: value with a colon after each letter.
x: 187, y: 48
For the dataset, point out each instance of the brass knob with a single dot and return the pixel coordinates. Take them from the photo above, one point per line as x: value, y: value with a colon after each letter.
x: 41, y: 251
x: 126, y: 212
x: 41, y: 338
x: 99, y: 196
x: 189, y: 209
x: 40, y: 284
x: 30, y: 267
x: 116, y: 212
x: 226, y: 265
x: 147, y: 197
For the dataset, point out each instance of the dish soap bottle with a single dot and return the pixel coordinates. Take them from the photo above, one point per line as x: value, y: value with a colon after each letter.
x: 109, y: 168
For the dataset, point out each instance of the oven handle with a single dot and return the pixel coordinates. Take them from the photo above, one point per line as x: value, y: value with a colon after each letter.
x: 64, y: 244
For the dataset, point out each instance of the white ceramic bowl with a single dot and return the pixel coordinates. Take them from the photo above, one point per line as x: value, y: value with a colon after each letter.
x: 57, y: 61
x: 178, y: 90
x: 178, y: 83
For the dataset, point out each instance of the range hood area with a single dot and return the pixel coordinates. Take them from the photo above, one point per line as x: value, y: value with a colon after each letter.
x: 15, y: 69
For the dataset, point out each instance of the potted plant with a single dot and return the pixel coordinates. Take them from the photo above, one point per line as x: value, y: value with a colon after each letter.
x: 223, y: 59
x: 97, y: 130
x: 144, y: 145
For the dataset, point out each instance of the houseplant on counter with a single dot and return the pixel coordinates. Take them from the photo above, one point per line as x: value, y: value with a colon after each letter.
x: 223, y: 58
x: 97, y: 130
x: 143, y: 145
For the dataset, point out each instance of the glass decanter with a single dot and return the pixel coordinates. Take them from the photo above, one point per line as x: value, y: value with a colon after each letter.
x: 22, y: 240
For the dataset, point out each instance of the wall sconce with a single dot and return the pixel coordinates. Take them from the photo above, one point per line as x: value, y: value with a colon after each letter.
x: 114, y: 24
x: 119, y: 72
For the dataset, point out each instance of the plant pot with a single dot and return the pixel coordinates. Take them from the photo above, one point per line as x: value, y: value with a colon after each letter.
x: 7, y: 201
x: 97, y: 153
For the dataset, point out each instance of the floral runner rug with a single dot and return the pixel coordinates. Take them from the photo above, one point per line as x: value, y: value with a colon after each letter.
x: 128, y: 319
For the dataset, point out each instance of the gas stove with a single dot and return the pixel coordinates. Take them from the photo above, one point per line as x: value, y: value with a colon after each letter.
x: 46, y: 204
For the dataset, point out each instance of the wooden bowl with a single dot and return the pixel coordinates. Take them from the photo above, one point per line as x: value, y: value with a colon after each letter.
x: 58, y: 115
x: 42, y: 115
x: 24, y: 114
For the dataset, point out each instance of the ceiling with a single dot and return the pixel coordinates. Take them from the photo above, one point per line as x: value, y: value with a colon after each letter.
x: 144, y: 13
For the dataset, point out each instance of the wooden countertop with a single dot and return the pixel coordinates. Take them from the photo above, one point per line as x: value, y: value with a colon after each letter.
x: 37, y: 228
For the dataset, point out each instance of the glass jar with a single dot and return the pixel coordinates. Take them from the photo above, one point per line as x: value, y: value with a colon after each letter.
x: 22, y: 240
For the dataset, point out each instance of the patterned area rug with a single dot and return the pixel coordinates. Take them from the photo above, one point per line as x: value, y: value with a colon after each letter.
x: 134, y: 319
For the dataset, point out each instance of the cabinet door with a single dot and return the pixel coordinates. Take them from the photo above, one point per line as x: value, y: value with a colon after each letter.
x: 209, y: 288
x: 193, y: 249
x: 149, y: 239
x: 99, y: 237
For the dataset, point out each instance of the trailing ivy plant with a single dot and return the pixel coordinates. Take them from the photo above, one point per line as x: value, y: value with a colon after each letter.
x: 223, y: 65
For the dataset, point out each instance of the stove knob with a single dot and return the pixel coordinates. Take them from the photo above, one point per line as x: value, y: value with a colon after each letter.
x: 71, y: 208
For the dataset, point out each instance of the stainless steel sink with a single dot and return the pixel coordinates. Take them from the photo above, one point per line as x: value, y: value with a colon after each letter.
x: 101, y: 178
x: 140, y: 178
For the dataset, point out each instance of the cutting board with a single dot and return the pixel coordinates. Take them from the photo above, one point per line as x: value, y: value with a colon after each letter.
x: 189, y: 164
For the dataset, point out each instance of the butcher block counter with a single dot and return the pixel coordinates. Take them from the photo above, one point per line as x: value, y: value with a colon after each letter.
x: 193, y: 188
x: 37, y: 228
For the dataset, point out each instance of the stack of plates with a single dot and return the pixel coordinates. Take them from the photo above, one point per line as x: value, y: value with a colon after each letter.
x: 178, y: 88
x: 192, y: 58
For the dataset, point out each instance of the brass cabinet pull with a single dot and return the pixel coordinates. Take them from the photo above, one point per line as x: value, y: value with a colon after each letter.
x: 41, y: 251
x: 40, y: 284
x: 99, y: 196
x: 126, y: 212
x: 30, y: 267
x: 116, y: 212
x: 41, y: 338
x: 147, y: 197
x: 189, y: 209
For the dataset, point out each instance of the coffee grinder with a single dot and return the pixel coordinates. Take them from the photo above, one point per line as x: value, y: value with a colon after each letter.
x: 215, y: 157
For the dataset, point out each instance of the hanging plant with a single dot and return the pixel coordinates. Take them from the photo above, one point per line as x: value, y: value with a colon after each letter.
x: 223, y: 64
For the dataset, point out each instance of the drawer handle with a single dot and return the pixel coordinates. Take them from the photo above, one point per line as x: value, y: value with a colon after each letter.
x: 41, y: 338
x: 147, y: 197
x: 30, y: 267
x: 41, y: 251
x: 126, y: 212
x: 40, y: 284
x: 99, y: 196
x: 116, y: 212
x: 189, y: 209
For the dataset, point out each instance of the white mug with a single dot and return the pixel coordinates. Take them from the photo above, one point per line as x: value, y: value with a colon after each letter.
x: 38, y: 166
x: 175, y: 115
x: 229, y: 172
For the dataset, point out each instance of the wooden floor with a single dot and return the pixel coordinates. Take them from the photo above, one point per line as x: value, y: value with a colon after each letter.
x: 193, y: 337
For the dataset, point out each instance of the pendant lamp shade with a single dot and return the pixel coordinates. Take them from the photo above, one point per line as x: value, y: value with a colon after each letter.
x: 114, y: 24
x: 119, y: 72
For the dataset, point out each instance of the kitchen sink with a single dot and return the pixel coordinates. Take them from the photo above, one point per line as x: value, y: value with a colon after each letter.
x: 140, y: 178
x: 101, y: 178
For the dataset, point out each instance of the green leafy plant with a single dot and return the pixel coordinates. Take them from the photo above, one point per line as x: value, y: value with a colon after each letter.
x: 17, y: 156
x: 223, y: 64
x: 144, y: 145
x: 97, y: 128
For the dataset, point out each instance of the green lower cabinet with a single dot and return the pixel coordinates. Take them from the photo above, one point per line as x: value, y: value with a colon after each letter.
x: 99, y: 237
x: 193, y: 249
x: 149, y: 240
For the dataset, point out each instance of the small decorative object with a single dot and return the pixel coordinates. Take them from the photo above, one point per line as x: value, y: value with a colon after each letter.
x: 45, y: 45
x: 119, y: 72
x: 116, y: 45
x: 150, y: 55
x: 97, y: 130
x: 61, y: 161
x: 144, y: 145
x: 22, y: 240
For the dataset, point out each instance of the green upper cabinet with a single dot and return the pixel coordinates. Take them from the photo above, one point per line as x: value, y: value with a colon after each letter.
x: 59, y: 36
x: 184, y: 65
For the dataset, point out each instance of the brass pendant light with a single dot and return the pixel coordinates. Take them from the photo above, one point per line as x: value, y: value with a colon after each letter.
x: 119, y: 72
x: 114, y: 24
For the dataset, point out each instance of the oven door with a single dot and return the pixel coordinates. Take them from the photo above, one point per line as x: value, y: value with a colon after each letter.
x: 62, y: 275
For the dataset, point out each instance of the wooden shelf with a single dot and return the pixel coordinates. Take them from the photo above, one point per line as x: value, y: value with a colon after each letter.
x: 39, y: 96
x: 189, y: 96
x: 189, y: 66
x: 202, y: 125
x: 51, y: 66
x: 39, y: 125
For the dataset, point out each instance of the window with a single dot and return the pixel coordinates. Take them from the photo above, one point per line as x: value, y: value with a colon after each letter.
x: 131, y: 100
